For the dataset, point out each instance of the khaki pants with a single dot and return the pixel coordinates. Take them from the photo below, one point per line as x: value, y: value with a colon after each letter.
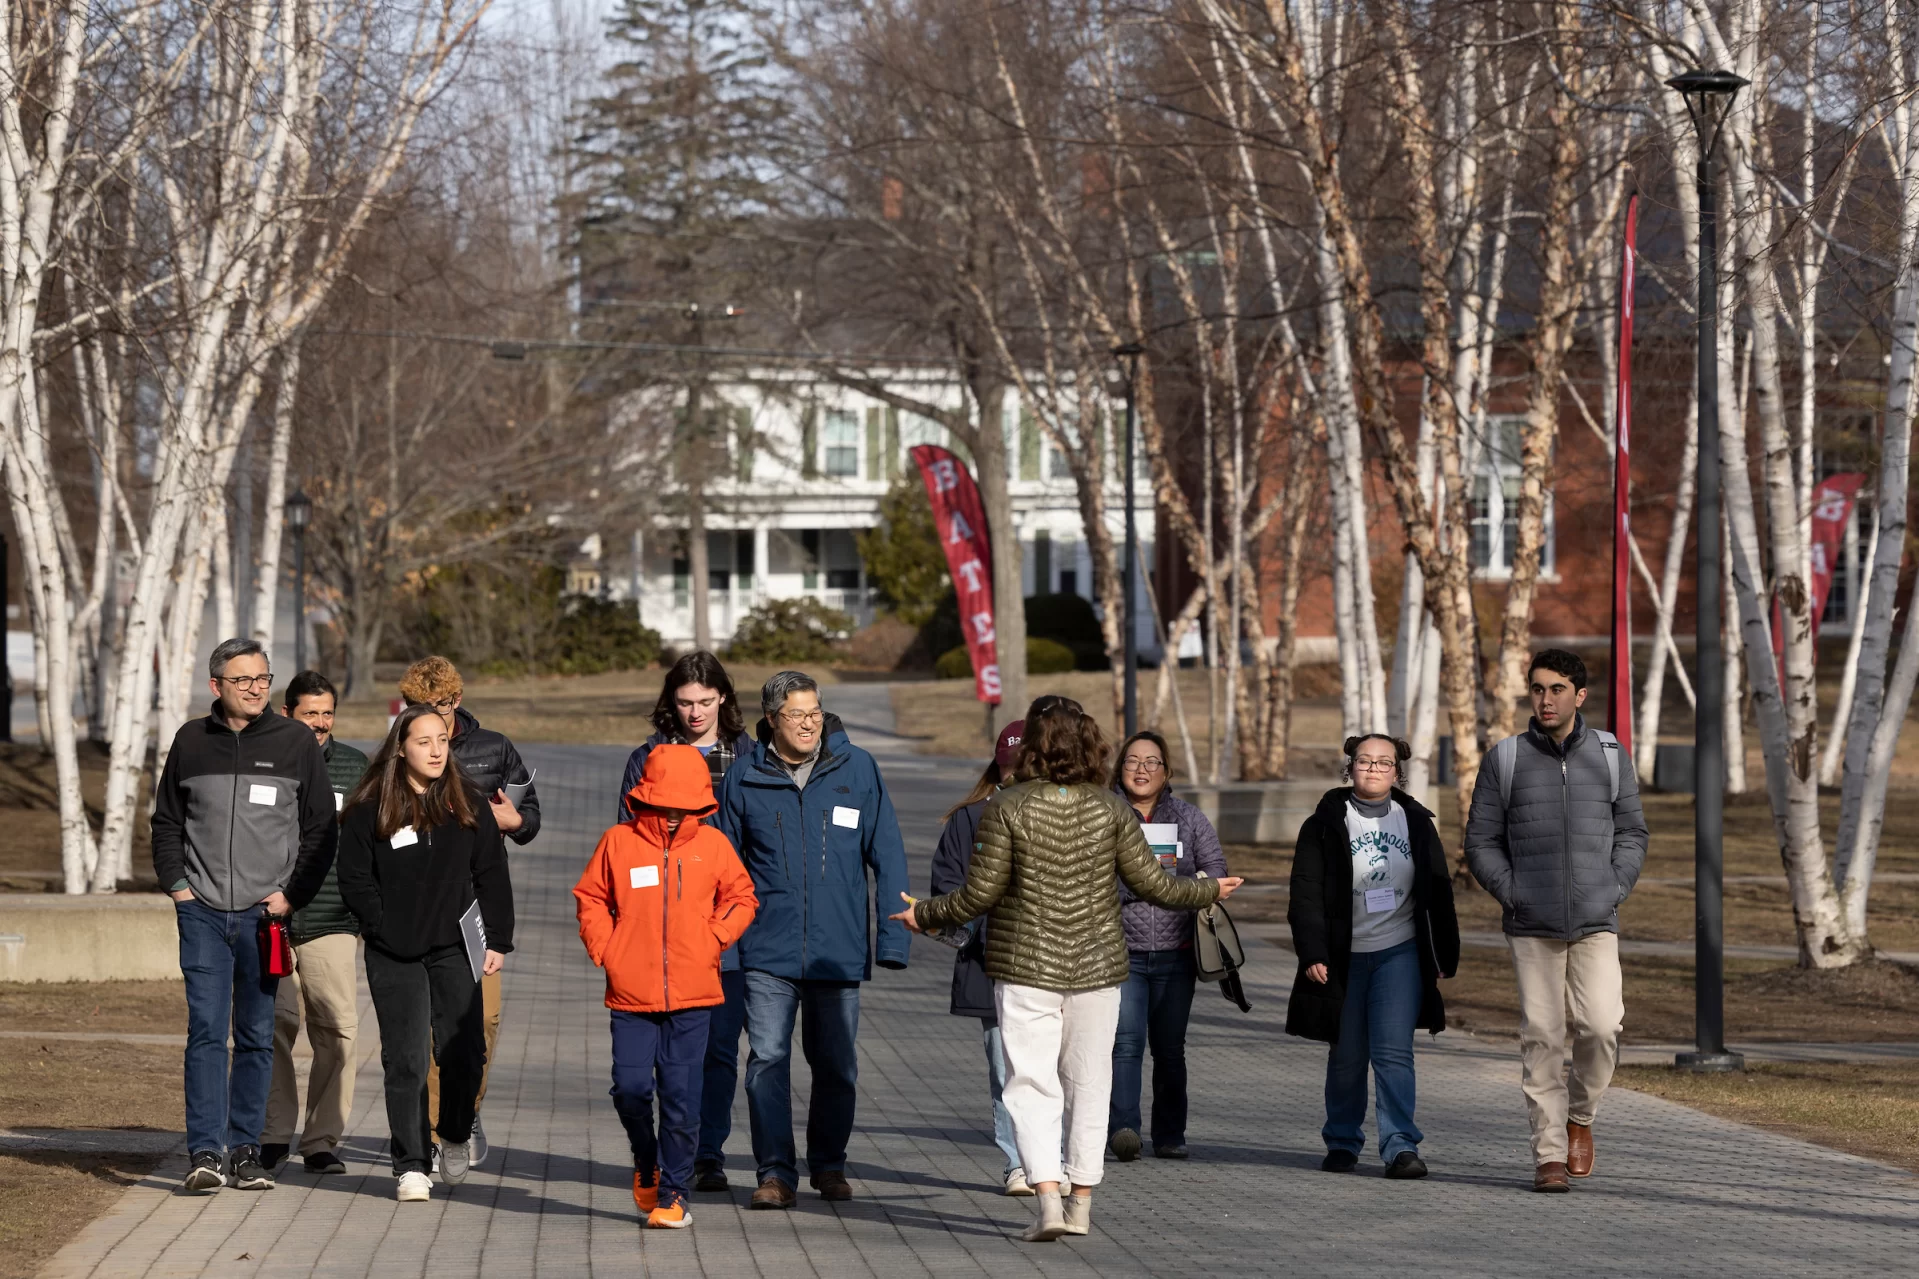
x: 490, y: 998
x: 1566, y: 987
x: 322, y: 986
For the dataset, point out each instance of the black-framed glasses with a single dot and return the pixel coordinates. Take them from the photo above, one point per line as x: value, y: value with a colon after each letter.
x: 1142, y: 764
x: 1374, y: 765
x: 248, y: 681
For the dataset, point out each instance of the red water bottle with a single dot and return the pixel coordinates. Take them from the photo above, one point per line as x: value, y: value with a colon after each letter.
x: 276, y: 948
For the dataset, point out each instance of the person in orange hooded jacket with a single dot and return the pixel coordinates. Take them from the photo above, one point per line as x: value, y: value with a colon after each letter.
x: 662, y: 897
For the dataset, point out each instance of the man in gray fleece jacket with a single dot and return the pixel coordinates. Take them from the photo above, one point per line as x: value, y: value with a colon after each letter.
x: 1557, y: 836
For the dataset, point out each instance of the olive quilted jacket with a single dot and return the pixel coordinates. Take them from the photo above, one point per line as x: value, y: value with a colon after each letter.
x: 1044, y: 866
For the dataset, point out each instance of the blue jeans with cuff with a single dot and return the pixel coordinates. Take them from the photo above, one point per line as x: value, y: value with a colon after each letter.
x: 996, y: 1076
x: 220, y: 959
x: 829, y: 1017
x: 1376, y: 1026
x: 660, y: 1055
x: 1154, y: 1006
x: 721, y: 1074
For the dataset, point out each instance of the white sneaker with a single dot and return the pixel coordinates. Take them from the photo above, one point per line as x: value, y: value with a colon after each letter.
x: 414, y: 1188
x: 476, y: 1144
x: 1016, y: 1187
x: 453, y: 1162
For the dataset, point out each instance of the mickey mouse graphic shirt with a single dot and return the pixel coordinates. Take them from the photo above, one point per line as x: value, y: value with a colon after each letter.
x: 1382, y: 874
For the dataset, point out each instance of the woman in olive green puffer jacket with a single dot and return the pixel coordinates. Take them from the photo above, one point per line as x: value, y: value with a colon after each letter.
x: 1050, y: 852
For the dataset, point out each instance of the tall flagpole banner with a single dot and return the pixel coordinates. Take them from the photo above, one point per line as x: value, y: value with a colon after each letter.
x: 961, y: 522
x: 1619, y: 701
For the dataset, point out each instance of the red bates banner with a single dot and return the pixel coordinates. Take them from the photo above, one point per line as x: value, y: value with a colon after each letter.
x: 961, y: 522
x: 1831, y: 511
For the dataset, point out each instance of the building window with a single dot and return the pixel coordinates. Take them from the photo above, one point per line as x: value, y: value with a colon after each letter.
x: 841, y: 556
x: 1495, y: 530
x: 1069, y: 581
x: 842, y: 444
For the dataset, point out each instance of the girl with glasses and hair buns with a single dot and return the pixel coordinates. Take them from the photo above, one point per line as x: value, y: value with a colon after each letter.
x: 1373, y: 926
x: 1157, y: 999
x: 1051, y: 850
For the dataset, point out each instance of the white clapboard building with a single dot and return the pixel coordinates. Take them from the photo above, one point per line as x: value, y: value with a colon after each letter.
x: 798, y: 468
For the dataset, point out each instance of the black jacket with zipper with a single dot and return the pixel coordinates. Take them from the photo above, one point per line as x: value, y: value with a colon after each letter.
x: 972, y: 988
x: 1321, y: 915
x: 491, y: 762
x: 409, y: 899
x: 239, y: 816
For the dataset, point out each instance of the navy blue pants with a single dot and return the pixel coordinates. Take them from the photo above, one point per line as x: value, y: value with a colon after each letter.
x: 722, y: 1072
x: 220, y: 959
x: 1154, y: 1006
x: 661, y: 1054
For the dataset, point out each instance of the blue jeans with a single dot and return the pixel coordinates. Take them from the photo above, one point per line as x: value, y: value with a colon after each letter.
x: 721, y: 1075
x: 1375, y: 1025
x: 996, y: 1076
x: 220, y: 959
x: 1154, y: 1006
x: 829, y: 1016
x: 660, y: 1054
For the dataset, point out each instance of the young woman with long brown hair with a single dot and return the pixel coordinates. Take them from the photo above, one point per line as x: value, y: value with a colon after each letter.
x: 417, y: 848
x: 1051, y: 849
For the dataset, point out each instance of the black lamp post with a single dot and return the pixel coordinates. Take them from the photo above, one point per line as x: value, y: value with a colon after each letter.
x: 1708, y: 96
x: 299, y: 514
x: 1131, y: 353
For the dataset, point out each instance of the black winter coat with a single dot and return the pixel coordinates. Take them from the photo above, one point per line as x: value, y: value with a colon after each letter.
x: 491, y: 762
x: 1321, y: 915
x: 972, y: 988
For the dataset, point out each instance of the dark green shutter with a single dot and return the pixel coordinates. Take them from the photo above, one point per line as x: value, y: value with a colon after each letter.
x: 1028, y: 446
x: 810, y: 442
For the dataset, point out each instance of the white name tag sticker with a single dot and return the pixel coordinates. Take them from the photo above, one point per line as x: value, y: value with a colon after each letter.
x: 403, y: 838
x: 258, y: 794
x: 1380, y: 899
x: 847, y: 817
x: 339, y: 800
x: 646, y: 876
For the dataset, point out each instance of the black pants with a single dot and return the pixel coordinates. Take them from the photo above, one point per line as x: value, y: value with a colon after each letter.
x: 429, y: 1009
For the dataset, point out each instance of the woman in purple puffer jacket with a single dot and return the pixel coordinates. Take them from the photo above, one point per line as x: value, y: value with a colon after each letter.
x: 1157, y: 999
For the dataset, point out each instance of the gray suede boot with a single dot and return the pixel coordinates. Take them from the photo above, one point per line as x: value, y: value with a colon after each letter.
x: 1052, y: 1221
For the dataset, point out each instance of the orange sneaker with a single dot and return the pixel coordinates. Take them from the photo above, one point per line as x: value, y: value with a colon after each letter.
x: 645, y: 1198
x: 673, y: 1216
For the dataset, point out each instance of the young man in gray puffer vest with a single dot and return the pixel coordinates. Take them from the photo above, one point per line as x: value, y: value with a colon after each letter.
x: 1557, y: 836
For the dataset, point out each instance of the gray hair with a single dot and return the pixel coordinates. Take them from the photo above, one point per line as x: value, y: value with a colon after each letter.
x: 774, y: 692
x: 226, y: 650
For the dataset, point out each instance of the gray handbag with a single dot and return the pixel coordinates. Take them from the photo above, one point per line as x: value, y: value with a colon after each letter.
x: 1218, y: 954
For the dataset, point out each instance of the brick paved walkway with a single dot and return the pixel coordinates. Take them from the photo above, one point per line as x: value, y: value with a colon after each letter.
x: 1677, y: 1192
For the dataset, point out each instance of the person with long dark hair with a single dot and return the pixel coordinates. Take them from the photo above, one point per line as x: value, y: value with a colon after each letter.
x: 1051, y: 850
x: 418, y: 847
x: 1373, y: 926
x: 697, y: 708
x: 1157, y: 1000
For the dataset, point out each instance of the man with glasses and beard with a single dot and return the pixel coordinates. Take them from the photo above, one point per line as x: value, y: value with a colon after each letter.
x: 811, y: 819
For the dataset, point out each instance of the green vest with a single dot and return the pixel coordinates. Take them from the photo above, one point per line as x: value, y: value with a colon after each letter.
x: 327, y: 912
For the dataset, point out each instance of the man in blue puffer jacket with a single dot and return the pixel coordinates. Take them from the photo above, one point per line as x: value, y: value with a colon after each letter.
x: 1557, y: 835
x: 811, y: 819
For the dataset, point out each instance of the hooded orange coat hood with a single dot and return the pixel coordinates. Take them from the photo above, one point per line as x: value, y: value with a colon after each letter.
x: 656, y: 908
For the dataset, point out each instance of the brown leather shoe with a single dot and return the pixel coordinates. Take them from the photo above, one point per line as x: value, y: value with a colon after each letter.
x: 1550, y: 1179
x: 773, y: 1193
x: 1579, y: 1150
x: 832, y: 1186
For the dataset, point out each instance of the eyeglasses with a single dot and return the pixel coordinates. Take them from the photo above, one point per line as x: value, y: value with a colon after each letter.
x: 802, y: 718
x: 1374, y: 765
x: 445, y: 705
x: 1142, y: 764
x: 248, y: 681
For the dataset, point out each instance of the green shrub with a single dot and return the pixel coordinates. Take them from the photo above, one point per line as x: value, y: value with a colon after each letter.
x: 1068, y: 619
x: 1043, y: 657
x: 515, y: 619
x: 602, y: 635
x: 789, y: 631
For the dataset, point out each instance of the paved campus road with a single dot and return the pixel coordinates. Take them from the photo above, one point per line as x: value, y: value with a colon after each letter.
x: 1676, y: 1192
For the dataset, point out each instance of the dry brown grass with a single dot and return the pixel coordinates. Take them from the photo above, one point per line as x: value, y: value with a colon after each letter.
x: 51, y: 1083
x: 1867, y: 1110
